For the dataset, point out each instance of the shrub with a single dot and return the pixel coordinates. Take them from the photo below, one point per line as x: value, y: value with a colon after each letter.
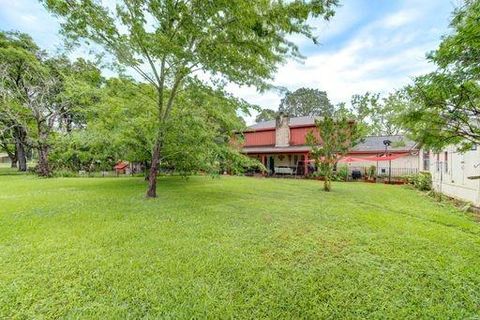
x: 422, y: 181
x: 372, y: 171
x: 341, y: 174
x: 317, y: 175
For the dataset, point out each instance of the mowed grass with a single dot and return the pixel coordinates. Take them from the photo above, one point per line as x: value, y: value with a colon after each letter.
x: 232, y: 248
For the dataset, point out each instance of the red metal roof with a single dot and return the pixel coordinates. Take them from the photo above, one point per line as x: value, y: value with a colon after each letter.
x: 292, y: 123
x: 273, y: 149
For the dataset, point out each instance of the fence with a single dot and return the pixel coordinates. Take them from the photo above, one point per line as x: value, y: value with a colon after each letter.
x: 383, y: 171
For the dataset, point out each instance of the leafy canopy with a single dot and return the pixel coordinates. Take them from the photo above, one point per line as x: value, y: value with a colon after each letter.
x: 265, y: 115
x: 243, y: 41
x: 42, y: 96
x: 306, y: 102
x: 379, y: 115
x: 445, y: 104
x: 335, y: 136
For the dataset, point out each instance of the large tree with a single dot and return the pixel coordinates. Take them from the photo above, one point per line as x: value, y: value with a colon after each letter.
x: 445, y: 104
x: 167, y: 41
x: 379, y: 115
x: 40, y: 95
x: 19, y: 57
x: 334, y: 138
x: 306, y: 102
x: 118, y: 127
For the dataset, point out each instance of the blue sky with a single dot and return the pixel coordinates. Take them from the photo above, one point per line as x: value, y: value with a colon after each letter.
x: 369, y: 45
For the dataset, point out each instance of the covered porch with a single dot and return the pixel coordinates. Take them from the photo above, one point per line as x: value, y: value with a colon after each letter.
x: 286, y: 164
x: 290, y: 161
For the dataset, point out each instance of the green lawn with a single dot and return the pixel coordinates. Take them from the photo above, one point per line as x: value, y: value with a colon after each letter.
x: 232, y: 248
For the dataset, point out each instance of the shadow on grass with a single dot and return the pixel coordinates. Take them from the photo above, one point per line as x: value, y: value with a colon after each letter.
x: 6, y: 171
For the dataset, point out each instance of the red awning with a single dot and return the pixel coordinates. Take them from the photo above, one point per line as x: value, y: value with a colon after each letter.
x: 383, y: 157
x: 350, y: 159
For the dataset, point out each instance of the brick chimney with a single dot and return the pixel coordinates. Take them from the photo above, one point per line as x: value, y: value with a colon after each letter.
x: 282, y: 131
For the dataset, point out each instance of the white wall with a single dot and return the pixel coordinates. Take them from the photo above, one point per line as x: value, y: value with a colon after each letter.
x: 450, y: 174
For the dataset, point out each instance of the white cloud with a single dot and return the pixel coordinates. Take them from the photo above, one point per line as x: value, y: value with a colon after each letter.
x: 381, y: 56
x: 400, y: 18
x: 28, y: 18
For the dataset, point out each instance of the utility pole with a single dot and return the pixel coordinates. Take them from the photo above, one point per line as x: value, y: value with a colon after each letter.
x: 387, y: 143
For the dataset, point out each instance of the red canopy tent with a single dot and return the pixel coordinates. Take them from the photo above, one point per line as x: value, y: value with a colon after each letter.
x: 383, y: 157
x: 350, y: 159
x: 121, y: 167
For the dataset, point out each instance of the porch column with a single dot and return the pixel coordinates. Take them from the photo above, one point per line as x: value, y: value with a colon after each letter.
x: 264, y: 163
x: 305, y: 170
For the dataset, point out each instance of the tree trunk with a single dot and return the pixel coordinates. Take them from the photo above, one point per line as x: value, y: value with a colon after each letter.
x: 12, y: 154
x: 43, y: 147
x: 146, y: 169
x: 22, y: 159
x: 13, y: 159
x: 152, y: 176
x: 327, y: 184
x: 20, y: 143
x: 43, y: 168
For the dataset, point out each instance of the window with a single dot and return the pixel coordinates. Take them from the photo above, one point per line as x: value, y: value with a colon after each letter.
x: 438, y: 162
x: 426, y: 160
x: 446, y: 161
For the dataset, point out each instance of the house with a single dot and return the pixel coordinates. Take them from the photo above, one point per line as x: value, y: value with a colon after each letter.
x: 281, y: 146
x: 4, y: 158
x: 455, y: 173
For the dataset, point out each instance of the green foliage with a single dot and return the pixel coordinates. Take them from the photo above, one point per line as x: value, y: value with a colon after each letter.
x: 65, y: 174
x: 19, y: 60
x: 461, y: 48
x: 234, y: 162
x: 372, y: 171
x: 168, y: 43
x: 336, y: 136
x: 444, y: 110
x: 83, y: 150
x: 232, y: 248
x: 265, y: 115
x: 341, y: 174
x: 379, y: 116
x: 445, y: 106
x: 422, y: 181
x: 43, y: 97
x: 306, y: 102
x: 119, y: 127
